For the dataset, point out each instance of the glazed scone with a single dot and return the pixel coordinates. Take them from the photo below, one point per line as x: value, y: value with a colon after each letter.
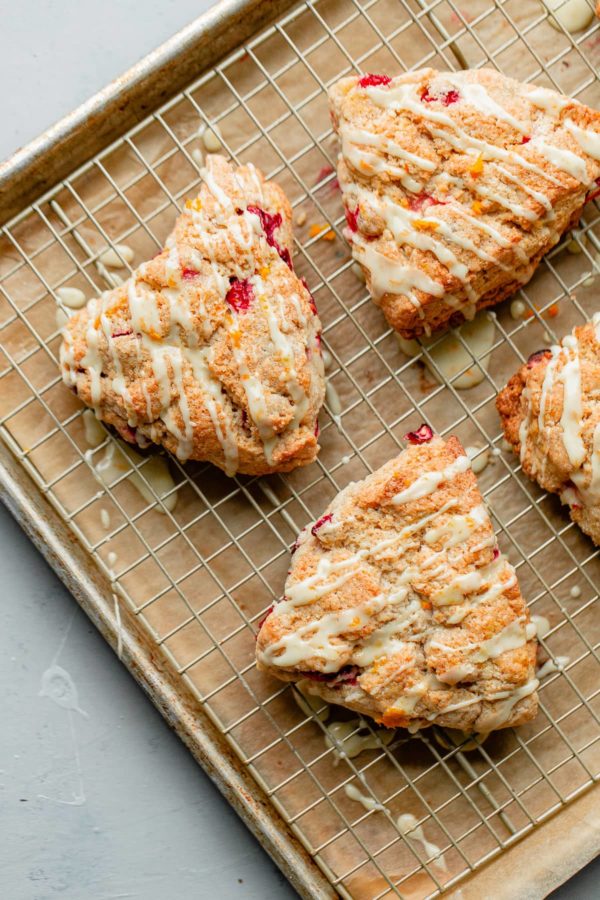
x: 550, y: 412
x: 400, y: 606
x: 455, y: 184
x: 212, y: 348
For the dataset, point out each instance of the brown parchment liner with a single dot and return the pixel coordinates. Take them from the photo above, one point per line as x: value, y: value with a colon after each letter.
x: 200, y: 578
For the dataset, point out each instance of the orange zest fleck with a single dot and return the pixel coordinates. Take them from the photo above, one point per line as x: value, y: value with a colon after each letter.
x: 529, y: 313
x: 477, y: 207
x: 477, y: 168
x: 425, y: 225
x: 322, y: 231
x: 355, y: 623
x: 264, y: 271
x: 425, y: 604
x: 553, y: 311
x: 392, y: 718
x: 153, y: 334
x: 194, y: 204
x: 115, y: 307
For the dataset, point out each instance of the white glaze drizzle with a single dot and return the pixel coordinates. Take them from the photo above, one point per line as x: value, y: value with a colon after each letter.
x: 93, y: 430
x: 390, y: 276
x: 552, y: 665
x: 506, y: 701
x: 119, y: 459
x: 408, y: 826
x: 178, y: 351
x: 310, y: 705
x: 589, y: 141
x: 542, y: 625
x: 368, y: 803
x: 570, y: 419
x: 430, y: 481
x: 562, y: 159
x: 564, y: 368
x: 331, y: 636
x: 346, y: 740
x: 549, y: 101
x: 448, y: 356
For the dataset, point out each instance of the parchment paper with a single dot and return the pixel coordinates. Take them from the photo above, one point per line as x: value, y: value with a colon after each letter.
x: 201, y: 577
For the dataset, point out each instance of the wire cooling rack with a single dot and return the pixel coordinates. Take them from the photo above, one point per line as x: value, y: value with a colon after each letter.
x: 199, y: 562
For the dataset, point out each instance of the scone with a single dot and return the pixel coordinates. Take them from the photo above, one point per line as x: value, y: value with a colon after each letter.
x: 550, y: 412
x: 455, y: 184
x: 400, y: 606
x: 212, y: 348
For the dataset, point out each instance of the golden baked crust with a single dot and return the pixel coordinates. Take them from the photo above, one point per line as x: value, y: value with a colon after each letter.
x: 212, y: 348
x: 455, y: 185
x: 550, y: 412
x: 399, y: 605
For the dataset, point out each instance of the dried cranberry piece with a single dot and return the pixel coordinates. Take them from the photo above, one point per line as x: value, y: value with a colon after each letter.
x: 419, y: 202
x: 447, y: 98
x: 537, y: 357
x: 128, y: 433
x: 371, y: 80
x: 496, y: 553
x: 125, y: 332
x: 240, y: 295
x: 571, y: 496
x: 352, y: 218
x: 265, y: 617
x: 422, y: 435
x: 270, y: 222
x: 323, y: 173
x: 346, y: 675
x: 320, y: 522
x: 317, y: 428
x: 318, y: 676
x: 525, y: 139
x: 593, y: 194
x: 313, y: 305
x: 188, y: 274
x: 286, y: 256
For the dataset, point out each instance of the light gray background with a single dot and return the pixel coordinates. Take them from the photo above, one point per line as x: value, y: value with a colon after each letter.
x: 146, y: 822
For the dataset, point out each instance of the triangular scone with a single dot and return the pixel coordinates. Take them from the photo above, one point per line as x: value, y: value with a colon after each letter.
x: 550, y: 413
x: 212, y: 348
x: 455, y: 185
x: 400, y: 606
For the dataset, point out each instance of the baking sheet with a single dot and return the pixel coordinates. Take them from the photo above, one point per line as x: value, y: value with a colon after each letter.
x: 198, y: 578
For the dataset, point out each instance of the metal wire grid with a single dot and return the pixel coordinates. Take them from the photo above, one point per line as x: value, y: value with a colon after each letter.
x: 201, y: 575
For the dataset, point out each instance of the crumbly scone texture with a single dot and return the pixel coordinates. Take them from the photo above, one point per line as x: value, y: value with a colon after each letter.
x: 400, y: 606
x: 550, y: 412
x: 455, y: 185
x: 212, y: 348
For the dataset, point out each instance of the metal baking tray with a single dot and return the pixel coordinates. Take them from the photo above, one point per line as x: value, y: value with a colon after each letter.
x: 177, y: 590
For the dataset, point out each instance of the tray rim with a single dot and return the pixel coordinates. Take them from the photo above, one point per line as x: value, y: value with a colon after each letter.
x: 62, y: 148
x: 570, y: 828
x: 27, y: 176
x: 175, y: 702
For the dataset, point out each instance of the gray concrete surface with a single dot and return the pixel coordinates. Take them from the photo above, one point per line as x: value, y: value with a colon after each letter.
x: 106, y: 805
